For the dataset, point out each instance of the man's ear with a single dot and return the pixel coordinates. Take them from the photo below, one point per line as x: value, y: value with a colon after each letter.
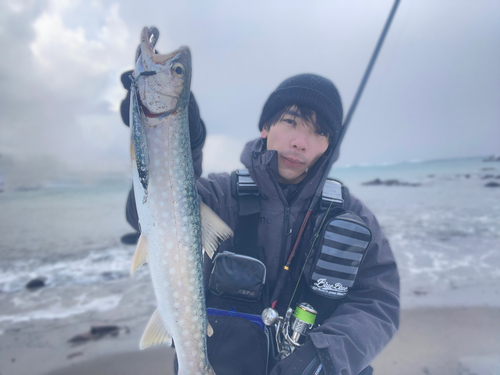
x: 264, y: 133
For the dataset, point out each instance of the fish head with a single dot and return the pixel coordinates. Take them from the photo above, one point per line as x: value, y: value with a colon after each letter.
x: 163, y: 79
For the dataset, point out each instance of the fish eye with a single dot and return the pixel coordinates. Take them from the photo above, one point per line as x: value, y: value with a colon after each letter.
x: 178, y: 69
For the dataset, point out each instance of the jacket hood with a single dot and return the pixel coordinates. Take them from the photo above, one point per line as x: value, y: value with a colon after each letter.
x: 263, y: 167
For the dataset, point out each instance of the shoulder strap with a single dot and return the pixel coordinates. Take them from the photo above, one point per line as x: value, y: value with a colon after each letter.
x: 246, y: 192
x: 335, y: 194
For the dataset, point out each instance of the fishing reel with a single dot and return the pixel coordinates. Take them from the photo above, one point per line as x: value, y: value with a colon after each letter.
x: 291, y: 330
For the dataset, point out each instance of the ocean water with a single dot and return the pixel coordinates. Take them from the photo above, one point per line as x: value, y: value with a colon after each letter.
x: 445, y: 235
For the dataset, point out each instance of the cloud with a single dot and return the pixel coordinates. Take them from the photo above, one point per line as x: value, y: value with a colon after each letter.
x: 435, y: 82
x: 78, y: 59
x: 62, y: 98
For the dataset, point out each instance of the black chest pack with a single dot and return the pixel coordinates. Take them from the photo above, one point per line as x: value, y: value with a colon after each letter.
x: 333, y: 255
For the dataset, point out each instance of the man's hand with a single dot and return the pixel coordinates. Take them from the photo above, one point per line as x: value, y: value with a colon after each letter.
x: 303, y: 361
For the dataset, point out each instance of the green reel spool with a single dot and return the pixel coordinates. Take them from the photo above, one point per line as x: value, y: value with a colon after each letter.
x: 305, y: 313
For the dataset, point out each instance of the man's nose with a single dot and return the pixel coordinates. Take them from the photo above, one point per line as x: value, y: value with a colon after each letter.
x: 299, y: 141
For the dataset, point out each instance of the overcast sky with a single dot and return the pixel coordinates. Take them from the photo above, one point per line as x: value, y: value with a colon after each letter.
x: 434, y: 92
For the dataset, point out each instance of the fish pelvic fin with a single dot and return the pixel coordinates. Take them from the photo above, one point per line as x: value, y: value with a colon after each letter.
x: 140, y: 255
x: 213, y: 230
x: 156, y: 332
x: 210, y: 330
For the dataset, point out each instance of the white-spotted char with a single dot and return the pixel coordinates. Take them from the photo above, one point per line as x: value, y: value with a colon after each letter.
x: 168, y: 205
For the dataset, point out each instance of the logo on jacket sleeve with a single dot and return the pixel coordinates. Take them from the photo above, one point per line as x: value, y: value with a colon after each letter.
x: 322, y: 285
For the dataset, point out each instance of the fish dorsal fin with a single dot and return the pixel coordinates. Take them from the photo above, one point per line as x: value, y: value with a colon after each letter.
x: 156, y: 333
x: 140, y: 255
x: 210, y: 330
x: 213, y: 229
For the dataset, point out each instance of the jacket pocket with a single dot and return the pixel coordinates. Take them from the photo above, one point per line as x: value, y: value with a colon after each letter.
x: 340, y: 250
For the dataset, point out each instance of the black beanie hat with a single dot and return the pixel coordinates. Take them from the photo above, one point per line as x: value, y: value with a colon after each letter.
x: 309, y: 90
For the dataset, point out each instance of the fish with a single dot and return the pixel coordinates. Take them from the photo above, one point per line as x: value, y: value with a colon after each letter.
x: 176, y: 227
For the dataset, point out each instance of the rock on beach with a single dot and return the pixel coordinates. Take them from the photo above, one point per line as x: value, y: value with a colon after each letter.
x: 392, y: 182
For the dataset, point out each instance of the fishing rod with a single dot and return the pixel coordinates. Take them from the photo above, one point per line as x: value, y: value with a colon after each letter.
x: 335, y: 151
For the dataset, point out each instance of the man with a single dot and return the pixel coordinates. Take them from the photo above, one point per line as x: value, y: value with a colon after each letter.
x: 299, y: 127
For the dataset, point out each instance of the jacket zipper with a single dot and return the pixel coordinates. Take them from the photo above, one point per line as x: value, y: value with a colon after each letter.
x: 285, y: 234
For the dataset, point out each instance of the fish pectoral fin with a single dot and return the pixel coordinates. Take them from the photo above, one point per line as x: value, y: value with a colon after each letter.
x: 140, y: 255
x: 213, y: 229
x: 210, y: 330
x: 156, y: 332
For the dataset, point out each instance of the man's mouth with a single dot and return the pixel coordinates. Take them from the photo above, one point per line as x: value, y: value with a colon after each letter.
x: 292, y: 162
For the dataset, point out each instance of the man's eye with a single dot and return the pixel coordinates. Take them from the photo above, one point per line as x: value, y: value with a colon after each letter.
x: 289, y: 121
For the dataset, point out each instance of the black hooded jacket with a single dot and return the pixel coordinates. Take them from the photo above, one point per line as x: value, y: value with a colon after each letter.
x: 354, y: 329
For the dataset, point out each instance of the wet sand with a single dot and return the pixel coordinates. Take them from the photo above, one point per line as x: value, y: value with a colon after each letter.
x: 441, y: 341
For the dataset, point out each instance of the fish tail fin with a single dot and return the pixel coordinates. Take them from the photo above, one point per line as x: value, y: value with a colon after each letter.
x: 213, y: 229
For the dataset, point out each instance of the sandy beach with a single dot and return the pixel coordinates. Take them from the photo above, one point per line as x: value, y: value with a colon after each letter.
x: 450, y: 341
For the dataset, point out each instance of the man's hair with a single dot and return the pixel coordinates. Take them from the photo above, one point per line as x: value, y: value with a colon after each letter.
x: 303, y: 112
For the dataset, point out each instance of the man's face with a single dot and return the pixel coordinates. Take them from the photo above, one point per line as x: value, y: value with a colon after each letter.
x: 298, y: 143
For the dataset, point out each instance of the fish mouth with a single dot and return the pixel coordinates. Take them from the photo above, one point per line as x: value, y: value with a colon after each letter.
x: 164, y: 59
x: 149, y: 114
x: 160, y: 115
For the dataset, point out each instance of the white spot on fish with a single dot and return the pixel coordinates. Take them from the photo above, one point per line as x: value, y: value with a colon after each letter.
x: 162, y: 203
x: 190, y: 288
x: 179, y: 283
x: 181, y: 322
x: 194, y: 318
x: 176, y: 294
x: 164, y: 194
x: 172, y: 271
x: 155, y: 150
x: 164, y: 213
x: 157, y: 140
x: 157, y: 163
x: 169, y: 245
x: 164, y: 262
x: 176, y: 305
x: 166, y: 164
